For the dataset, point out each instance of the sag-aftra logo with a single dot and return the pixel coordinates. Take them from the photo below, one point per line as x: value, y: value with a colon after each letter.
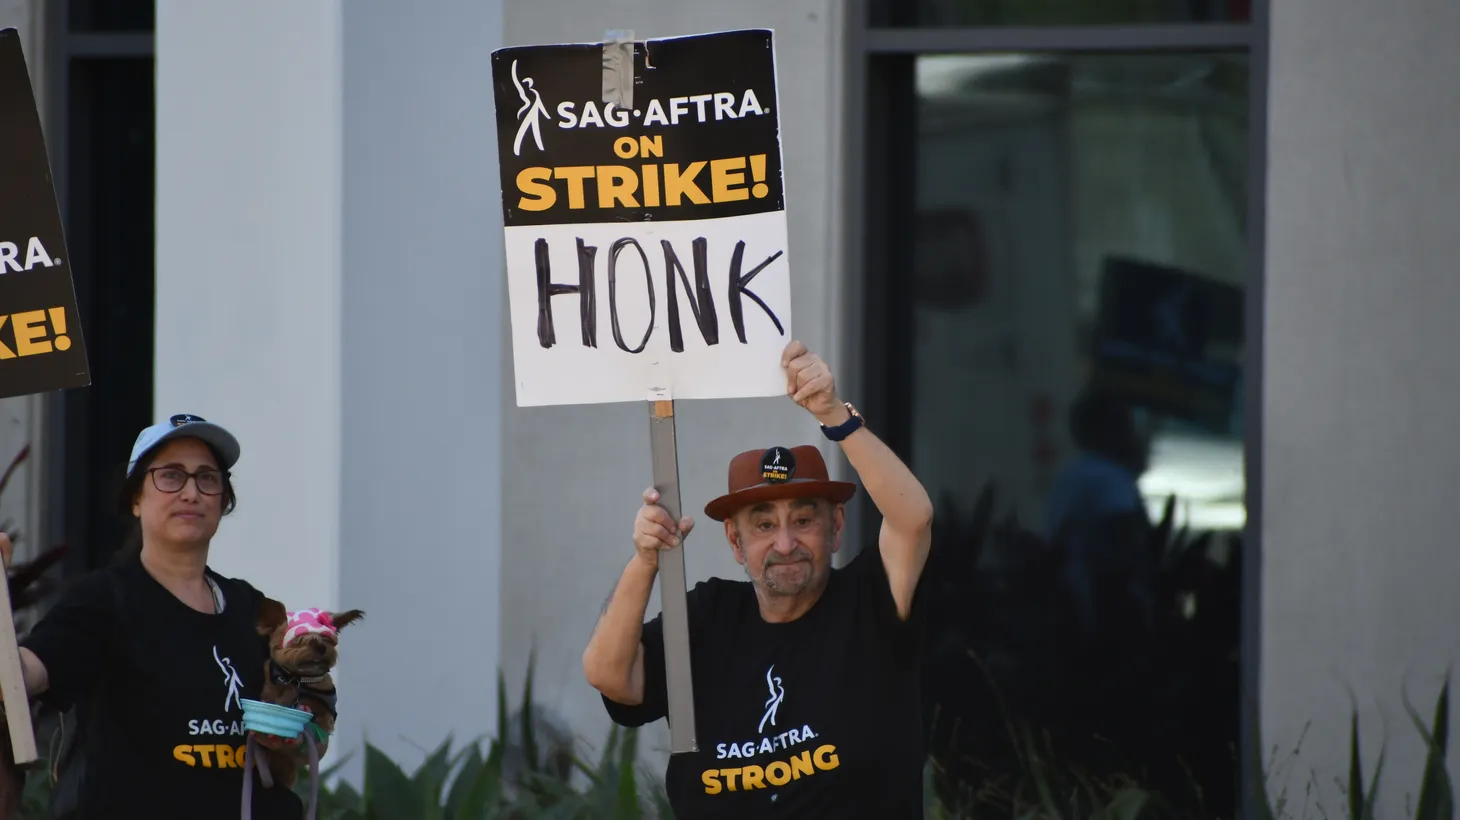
x: 793, y: 765
x: 717, y: 105
x: 221, y: 753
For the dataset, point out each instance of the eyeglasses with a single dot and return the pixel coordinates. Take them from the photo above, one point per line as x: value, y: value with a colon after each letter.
x: 173, y: 479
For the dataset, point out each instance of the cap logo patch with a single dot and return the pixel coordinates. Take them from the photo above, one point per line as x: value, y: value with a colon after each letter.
x: 185, y: 418
x: 778, y: 465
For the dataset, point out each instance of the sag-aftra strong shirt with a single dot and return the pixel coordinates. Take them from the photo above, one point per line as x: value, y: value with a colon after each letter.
x: 815, y: 718
x: 165, y: 736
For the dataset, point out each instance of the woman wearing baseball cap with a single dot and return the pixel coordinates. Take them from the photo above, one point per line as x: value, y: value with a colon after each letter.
x: 157, y: 651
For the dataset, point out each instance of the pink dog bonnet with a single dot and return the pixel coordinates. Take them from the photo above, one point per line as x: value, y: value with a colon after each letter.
x: 308, y: 621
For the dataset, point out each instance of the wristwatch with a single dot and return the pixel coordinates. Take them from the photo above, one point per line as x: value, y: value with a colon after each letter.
x: 846, y: 428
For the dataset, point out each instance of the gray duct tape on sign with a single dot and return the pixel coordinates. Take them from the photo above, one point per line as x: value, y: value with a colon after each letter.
x: 618, y: 68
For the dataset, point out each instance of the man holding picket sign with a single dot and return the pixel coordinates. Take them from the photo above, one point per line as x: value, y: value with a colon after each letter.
x: 805, y: 677
x: 646, y: 238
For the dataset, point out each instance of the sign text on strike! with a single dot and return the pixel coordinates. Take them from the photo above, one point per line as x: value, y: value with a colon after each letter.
x: 730, y: 179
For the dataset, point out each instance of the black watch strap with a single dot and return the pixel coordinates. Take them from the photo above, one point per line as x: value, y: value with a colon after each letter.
x: 853, y: 423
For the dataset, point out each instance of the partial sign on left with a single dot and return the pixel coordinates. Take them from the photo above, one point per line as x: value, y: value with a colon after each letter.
x: 41, y: 344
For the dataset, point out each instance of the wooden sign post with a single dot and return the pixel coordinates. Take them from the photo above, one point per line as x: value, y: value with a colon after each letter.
x: 41, y: 344
x: 12, y: 687
x: 646, y: 236
x: 664, y: 453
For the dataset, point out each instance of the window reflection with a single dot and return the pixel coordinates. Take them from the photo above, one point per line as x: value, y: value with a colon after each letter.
x: 932, y: 13
x: 111, y: 15
x: 1076, y: 412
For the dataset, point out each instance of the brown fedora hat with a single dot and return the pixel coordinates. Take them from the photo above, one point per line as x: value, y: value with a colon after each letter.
x: 777, y: 473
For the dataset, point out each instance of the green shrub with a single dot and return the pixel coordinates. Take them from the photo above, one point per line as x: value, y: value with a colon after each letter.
x: 1044, y: 789
x: 1436, y: 799
x: 467, y: 784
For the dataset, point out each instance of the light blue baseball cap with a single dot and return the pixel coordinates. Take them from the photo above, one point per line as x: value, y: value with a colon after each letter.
x: 186, y: 425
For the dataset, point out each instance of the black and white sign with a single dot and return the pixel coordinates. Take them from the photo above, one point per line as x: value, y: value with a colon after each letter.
x: 41, y: 346
x: 646, y: 247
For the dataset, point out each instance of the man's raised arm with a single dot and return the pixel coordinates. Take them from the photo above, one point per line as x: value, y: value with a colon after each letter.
x: 907, y: 511
x: 613, y: 662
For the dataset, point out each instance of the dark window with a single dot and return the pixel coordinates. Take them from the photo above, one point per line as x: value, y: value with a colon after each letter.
x: 939, y: 13
x: 107, y: 165
x: 112, y: 15
x: 1056, y: 327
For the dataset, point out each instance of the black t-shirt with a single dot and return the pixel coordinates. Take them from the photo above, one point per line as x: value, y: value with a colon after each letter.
x: 166, y: 739
x: 814, y: 718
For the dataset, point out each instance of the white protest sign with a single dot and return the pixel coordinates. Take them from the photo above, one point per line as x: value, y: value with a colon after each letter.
x: 646, y: 248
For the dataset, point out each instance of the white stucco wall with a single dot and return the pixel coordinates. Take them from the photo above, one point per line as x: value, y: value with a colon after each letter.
x: 1360, y: 455
x: 249, y: 190
x: 578, y: 472
x: 326, y: 287
x: 29, y: 18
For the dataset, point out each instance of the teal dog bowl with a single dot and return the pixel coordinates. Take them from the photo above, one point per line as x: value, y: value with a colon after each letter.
x: 272, y: 719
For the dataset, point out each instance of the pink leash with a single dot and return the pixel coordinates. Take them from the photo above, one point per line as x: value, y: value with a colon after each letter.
x: 313, y: 775
x: 250, y: 750
x: 252, y: 760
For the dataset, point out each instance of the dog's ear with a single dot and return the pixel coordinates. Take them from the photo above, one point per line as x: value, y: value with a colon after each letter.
x: 344, y: 619
x: 271, y: 616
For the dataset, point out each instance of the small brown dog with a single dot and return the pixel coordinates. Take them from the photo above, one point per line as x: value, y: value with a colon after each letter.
x: 303, y: 648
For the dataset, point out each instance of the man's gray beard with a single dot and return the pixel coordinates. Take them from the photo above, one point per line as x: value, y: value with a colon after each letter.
x: 769, y: 586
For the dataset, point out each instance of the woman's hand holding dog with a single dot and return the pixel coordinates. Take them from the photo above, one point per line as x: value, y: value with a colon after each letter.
x: 655, y: 530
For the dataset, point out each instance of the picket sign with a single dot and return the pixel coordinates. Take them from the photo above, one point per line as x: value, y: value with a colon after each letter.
x: 642, y: 185
x: 41, y: 343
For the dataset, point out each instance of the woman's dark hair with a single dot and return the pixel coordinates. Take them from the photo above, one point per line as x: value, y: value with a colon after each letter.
x: 130, y: 487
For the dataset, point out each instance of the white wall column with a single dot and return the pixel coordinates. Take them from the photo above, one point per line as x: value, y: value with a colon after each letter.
x: 29, y: 18
x: 421, y: 372
x: 1360, y: 458
x: 249, y: 271
x: 328, y: 250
